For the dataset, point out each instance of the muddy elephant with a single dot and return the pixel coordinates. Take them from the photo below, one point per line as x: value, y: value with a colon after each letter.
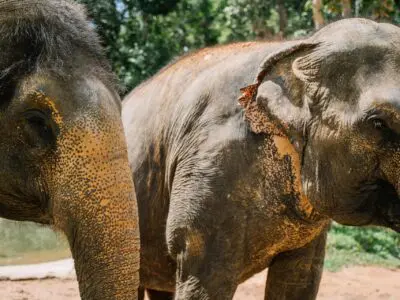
x: 64, y: 159
x: 226, y: 190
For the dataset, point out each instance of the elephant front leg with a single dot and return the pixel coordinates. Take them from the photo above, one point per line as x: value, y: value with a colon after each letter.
x: 203, y: 280
x: 296, y: 274
x: 207, y: 264
x: 205, y: 235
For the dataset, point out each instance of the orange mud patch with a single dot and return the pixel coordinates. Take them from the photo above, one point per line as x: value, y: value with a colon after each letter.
x: 355, y: 283
x: 256, y: 115
x: 42, y: 99
x: 285, y: 147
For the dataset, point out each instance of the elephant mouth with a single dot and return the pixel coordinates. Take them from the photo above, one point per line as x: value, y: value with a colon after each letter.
x: 23, y: 206
x: 393, y: 216
x: 388, y: 207
x: 379, y: 206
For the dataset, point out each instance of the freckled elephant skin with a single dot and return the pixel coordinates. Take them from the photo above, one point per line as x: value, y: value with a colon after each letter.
x: 64, y: 159
x: 243, y: 154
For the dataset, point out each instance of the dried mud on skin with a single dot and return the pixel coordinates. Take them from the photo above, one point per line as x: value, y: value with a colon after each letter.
x: 259, y: 120
x: 355, y: 283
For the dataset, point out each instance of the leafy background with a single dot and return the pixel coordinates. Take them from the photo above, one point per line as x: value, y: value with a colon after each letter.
x: 141, y: 36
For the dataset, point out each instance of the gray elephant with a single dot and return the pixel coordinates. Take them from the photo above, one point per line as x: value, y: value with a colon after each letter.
x: 225, y: 190
x: 64, y: 158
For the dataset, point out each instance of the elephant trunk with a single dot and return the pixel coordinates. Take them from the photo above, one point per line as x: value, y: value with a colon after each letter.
x: 105, y: 243
x: 95, y: 205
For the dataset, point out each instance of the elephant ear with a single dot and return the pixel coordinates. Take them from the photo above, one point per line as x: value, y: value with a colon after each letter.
x: 281, y: 95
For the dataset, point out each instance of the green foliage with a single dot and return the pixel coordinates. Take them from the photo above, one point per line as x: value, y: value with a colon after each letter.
x: 156, y: 7
x: 19, y: 238
x: 141, y: 42
x: 142, y: 36
x: 355, y: 245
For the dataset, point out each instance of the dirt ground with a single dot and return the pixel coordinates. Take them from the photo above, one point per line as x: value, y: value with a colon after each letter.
x: 355, y: 283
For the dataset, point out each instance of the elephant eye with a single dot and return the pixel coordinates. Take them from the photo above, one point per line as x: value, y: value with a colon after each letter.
x: 379, y: 124
x: 383, y: 129
x: 38, y: 127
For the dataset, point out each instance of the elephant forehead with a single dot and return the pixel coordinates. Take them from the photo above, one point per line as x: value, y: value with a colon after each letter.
x: 355, y: 33
x: 383, y: 102
x: 361, y: 63
x: 347, y: 46
x: 376, y: 100
x: 385, y: 95
x: 70, y: 99
x: 351, y: 55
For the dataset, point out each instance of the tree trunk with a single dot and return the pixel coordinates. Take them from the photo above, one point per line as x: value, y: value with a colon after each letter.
x: 282, y: 17
x: 317, y: 14
x: 346, y: 8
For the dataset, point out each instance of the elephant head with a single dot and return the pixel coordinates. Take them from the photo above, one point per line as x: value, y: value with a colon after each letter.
x: 336, y: 96
x: 63, y: 152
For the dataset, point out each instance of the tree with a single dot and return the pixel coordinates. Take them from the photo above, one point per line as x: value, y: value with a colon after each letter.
x: 318, y: 17
x: 346, y: 8
x: 141, y: 36
x: 282, y: 17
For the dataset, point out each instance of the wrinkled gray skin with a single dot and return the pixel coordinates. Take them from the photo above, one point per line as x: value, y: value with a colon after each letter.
x: 63, y: 154
x: 224, y: 192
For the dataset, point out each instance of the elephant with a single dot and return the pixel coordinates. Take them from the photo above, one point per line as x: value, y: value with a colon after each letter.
x: 64, y: 160
x: 243, y: 154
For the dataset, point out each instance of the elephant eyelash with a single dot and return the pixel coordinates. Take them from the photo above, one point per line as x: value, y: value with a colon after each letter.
x: 379, y: 123
x: 385, y: 129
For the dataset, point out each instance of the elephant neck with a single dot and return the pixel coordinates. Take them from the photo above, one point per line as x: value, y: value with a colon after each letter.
x: 287, y: 153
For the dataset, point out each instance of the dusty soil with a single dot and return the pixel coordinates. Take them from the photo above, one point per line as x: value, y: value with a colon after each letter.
x: 355, y: 283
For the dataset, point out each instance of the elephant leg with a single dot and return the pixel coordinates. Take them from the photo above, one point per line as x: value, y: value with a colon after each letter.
x: 296, y: 274
x: 159, y: 295
x: 207, y: 267
x: 203, y: 280
x: 207, y: 245
x: 208, y: 262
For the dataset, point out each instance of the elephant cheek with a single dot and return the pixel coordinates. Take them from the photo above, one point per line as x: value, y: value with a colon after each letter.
x: 93, y: 202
